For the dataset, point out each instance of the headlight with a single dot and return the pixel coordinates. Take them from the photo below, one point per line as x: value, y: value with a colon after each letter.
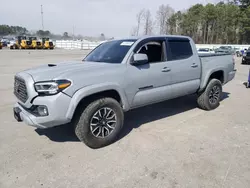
x: 51, y: 88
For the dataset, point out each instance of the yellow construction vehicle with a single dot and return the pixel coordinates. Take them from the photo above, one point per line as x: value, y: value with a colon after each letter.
x: 21, y: 43
x: 39, y: 45
x: 35, y: 44
x: 47, y: 44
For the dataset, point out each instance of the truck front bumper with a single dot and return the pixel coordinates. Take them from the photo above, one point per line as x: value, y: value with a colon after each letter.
x: 57, y: 106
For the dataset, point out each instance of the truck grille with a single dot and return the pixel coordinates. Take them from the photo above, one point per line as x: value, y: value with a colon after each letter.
x: 20, y: 89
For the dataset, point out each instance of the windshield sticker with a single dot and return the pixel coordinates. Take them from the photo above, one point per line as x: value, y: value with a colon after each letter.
x: 126, y: 43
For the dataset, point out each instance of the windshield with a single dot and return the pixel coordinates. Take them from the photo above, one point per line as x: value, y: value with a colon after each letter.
x: 110, y: 52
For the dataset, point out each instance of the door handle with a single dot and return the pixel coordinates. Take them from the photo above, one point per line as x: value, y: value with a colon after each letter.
x: 194, y: 65
x: 166, y: 69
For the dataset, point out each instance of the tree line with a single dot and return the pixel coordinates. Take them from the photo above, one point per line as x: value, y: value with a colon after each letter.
x: 6, y: 30
x: 12, y: 30
x: 221, y: 23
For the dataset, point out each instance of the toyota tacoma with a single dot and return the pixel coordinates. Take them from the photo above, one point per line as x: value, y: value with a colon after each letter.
x: 118, y: 75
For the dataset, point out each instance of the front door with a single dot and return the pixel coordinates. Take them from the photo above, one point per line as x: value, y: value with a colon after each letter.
x: 149, y: 83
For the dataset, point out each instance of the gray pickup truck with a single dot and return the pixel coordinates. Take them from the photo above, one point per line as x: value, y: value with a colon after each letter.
x: 119, y: 75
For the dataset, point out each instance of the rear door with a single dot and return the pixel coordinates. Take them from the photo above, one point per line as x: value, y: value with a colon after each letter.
x: 185, y: 66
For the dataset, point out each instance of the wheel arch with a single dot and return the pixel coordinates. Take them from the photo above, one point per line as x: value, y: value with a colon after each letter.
x: 218, y: 73
x: 91, y: 93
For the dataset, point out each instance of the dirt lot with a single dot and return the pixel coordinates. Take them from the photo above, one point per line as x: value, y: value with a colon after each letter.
x: 172, y: 144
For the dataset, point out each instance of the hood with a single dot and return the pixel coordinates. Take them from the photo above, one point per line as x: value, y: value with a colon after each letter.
x: 52, y: 71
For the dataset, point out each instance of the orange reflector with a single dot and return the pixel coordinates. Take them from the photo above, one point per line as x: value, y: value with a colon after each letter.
x: 63, y: 86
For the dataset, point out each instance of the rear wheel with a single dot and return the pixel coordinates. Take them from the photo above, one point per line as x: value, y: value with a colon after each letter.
x: 209, y: 99
x: 100, y: 123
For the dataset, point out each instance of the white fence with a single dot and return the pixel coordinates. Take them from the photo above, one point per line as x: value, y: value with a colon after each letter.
x: 87, y: 45
x: 214, y: 46
x: 70, y: 44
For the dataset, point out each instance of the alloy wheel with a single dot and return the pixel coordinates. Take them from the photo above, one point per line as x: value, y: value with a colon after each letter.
x: 103, y: 122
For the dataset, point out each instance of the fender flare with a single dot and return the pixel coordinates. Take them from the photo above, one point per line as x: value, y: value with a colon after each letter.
x: 93, y: 89
x: 205, y: 79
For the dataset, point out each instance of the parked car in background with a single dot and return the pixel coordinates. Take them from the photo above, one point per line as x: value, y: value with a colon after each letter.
x: 5, y: 42
x: 246, y: 57
x: 206, y: 50
x: 225, y: 49
x: 238, y: 52
x: 11, y: 43
x: 118, y: 76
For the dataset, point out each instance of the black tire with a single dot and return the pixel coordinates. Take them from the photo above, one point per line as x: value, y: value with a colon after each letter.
x: 243, y: 62
x: 83, y: 128
x: 205, y: 101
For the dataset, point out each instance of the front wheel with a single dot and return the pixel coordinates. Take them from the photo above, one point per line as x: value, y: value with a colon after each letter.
x: 100, y: 123
x: 210, y: 98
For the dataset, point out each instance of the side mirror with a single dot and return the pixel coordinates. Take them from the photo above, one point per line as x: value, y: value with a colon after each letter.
x: 140, y: 59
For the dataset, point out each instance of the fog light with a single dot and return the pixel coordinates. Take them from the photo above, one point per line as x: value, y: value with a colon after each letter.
x: 42, y: 110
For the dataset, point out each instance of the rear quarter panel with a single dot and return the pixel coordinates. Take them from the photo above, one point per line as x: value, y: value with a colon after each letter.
x: 213, y: 63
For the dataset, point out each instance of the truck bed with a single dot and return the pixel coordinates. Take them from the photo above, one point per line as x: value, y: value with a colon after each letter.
x: 214, y: 62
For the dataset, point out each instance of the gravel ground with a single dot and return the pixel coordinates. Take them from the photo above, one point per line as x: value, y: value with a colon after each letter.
x: 171, y: 144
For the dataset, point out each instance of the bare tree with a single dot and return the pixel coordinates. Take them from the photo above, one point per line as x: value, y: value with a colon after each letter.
x: 148, y: 25
x: 163, y: 14
x: 139, y: 18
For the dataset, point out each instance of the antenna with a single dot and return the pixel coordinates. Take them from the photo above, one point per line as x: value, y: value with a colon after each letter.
x: 42, y: 16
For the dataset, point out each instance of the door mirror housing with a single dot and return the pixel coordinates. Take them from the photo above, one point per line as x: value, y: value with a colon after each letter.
x: 140, y: 59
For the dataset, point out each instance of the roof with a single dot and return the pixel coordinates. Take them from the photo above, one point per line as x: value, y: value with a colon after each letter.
x: 151, y: 36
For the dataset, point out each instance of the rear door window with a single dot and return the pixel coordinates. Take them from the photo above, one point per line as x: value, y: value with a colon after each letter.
x: 179, y: 49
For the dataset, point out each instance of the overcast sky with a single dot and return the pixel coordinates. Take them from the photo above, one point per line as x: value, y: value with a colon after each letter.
x: 90, y: 17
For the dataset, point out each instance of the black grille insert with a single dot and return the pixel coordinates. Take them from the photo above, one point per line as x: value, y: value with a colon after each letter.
x: 20, y: 89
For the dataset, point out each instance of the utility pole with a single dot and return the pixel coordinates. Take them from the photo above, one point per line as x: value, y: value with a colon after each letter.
x: 73, y: 32
x: 42, y: 16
